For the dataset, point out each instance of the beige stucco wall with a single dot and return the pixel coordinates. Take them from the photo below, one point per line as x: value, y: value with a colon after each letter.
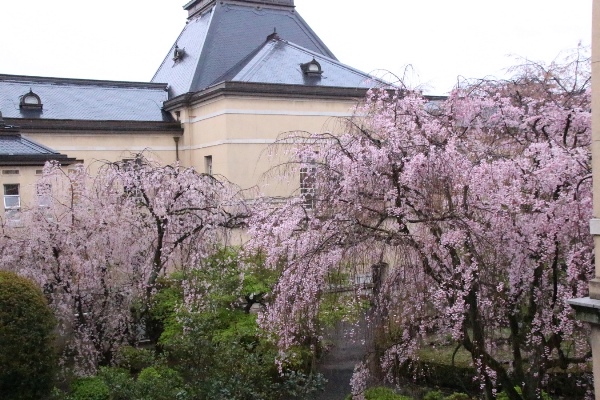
x: 92, y: 147
x: 595, y: 284
x: 26, y: 178
x: 239, y: 133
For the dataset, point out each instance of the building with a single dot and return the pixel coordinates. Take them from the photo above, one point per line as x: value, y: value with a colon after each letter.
x: 241, y: 73
x: 588, y: 308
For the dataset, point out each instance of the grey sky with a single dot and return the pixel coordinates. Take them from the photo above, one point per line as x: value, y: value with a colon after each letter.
x: 441, y: 39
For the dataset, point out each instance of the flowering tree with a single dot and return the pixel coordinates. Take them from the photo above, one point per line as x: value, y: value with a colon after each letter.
x: 479, y: 205
x: 101, y: 245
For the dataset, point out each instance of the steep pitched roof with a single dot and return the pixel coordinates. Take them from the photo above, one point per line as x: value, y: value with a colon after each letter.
x: 278, y: 61
x: 223, y: 34
x: 78, y: 99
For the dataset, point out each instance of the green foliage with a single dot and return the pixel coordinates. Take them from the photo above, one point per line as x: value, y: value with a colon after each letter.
x: 504, y: 396
x: 382, y: 393
x: 134, y: 359
x: 120, y: 383
x: 434, y: 395
x: 28, y: 359
x: 340, y: 306
x: 217, y: 347
x: 160, y: 383
x: 92, y: 388
x: 438, y: 395
x: 214, y: 350
x: 458, y: 396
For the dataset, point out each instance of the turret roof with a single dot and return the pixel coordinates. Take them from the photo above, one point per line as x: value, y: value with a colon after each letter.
x: 221, y: 36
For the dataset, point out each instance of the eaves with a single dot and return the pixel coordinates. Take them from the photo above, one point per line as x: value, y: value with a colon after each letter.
x: 87, y: 126
x: 265, y: 90
x: 35, y: 160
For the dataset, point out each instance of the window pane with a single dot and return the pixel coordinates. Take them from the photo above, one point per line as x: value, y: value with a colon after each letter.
x: 12, y: 202
x: 11, y: 190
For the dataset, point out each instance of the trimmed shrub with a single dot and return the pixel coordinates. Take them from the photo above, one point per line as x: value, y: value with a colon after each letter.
x: 381, y: 393
x: 92, y: 388
x: 434, y: 395
x: 458, y: 396
x: 28, y: 358
x: 160, y: 383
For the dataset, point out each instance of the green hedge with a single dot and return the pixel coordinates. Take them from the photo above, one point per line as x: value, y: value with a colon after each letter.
x: 28, y: 360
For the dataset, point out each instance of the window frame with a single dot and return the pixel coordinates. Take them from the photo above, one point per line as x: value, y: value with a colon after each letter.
x: 16, y: 196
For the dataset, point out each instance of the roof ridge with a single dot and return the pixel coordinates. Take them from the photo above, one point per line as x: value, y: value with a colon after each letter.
x: 243, y: 62
x: 81, y: 82
x: 333, y: 60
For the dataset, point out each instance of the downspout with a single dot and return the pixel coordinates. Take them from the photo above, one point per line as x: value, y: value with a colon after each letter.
x: 176, y: 139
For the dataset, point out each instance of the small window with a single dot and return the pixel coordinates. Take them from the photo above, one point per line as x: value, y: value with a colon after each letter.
x: 10, y: 172
x: 12, y: 199
x: 208, y: 165
x: 312, y: 68
x: 44, y: 194
x: 39, y: 172
x: 31, y: 101
x: 307, y: 186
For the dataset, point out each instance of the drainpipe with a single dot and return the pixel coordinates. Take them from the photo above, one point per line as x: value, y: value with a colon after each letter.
x: 176, y: 139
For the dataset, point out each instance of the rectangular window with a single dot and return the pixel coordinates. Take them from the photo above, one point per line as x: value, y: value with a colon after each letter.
x: 12, y: 199
x: 44, y: 194
x: 10, y: 172
x: 208, y: 165
x: 307, y: 186
x: 39, y: 172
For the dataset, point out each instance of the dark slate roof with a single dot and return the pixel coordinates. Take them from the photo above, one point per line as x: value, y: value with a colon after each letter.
x: 278, y: 61
x: 217, y: 40
x: 18, y: 145
x: 16, y: 150
x: 78, y: 99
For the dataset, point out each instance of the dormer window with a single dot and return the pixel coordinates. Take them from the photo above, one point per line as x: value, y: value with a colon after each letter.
x: 178, y: 53
x: 31, y: 101
x: 312, y: 68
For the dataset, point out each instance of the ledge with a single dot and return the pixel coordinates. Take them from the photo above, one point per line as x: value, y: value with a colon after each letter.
x: 586, y: 309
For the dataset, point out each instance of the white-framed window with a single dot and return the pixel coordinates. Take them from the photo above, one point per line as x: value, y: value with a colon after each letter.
x: 12, y: 198
x: 307, y: 186
x: 12, y: 202
x: 10, y: 172
x: 44, y: 194
x: 208, y: 165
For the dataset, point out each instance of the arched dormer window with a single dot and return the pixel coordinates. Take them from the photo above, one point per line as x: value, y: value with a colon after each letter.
x: 31, y: 101
x: 312, y: 68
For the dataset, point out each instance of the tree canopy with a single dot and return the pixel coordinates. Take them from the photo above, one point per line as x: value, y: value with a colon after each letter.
x: 479, y: 204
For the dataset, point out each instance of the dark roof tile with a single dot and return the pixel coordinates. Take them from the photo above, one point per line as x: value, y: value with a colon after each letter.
x: 76, y: 99
x: 219, y: 39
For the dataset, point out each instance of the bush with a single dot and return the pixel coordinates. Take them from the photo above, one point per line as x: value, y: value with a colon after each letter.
x: 504, y: 396
x: 121, y: 385
x: 160, y: 383
x: 133, y: 359
x: 458, y: 396
x: 89, y: 389
x: 381, y: 393
x: 434, y: 395
x: 28, y: 359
